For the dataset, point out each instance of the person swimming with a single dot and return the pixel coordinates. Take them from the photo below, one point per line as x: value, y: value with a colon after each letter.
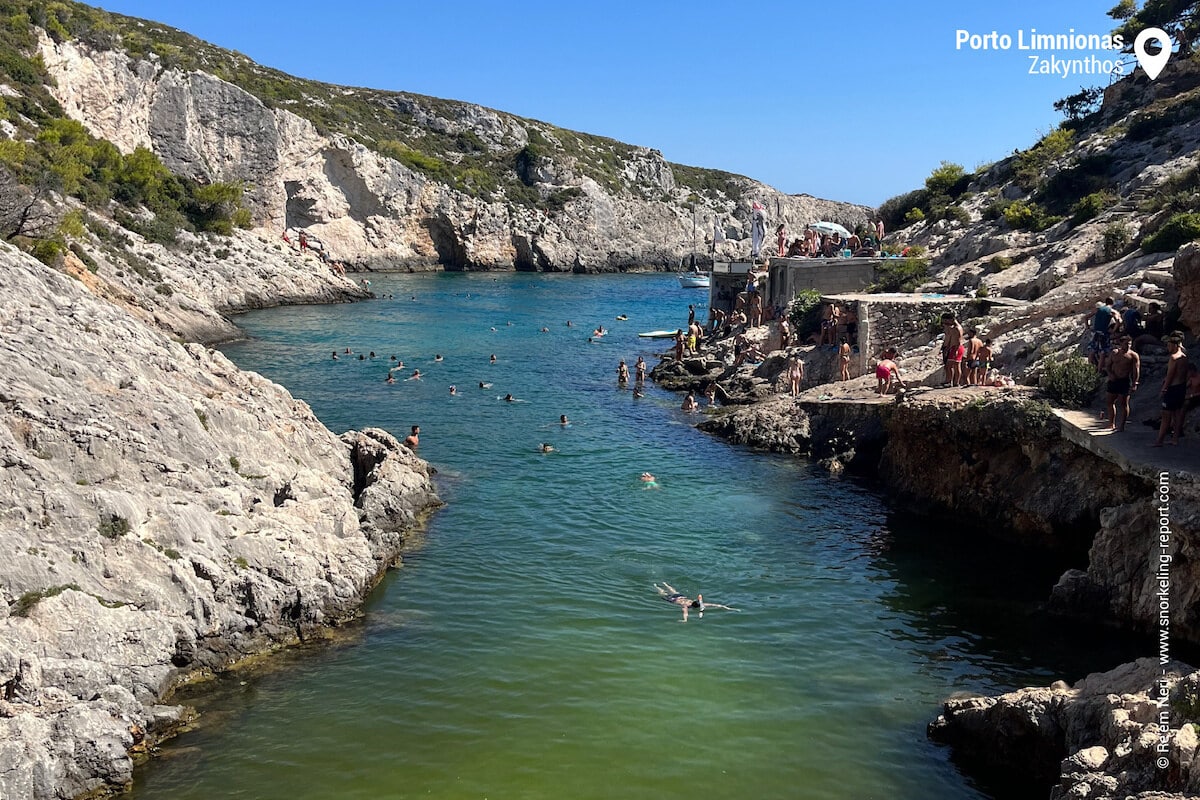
x: 562, y: 420
x: 483, y: 385
x: 546, y: 447
x: 648, y: 481
x: 672, y: 595
x: 437, y: 357
x: 453, y: 389
x: 493, y: 358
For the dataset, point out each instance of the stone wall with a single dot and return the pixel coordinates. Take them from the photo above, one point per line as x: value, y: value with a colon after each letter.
x: 901, y: 321
x: 789, y: 276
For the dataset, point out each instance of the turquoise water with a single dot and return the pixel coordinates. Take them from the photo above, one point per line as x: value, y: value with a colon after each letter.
x: 522, y: 652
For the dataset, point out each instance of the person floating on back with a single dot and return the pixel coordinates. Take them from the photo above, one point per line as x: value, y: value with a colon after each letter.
x: 671, y: 595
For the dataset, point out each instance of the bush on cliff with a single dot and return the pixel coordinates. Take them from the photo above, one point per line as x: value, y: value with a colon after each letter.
x: 1178, y: 231
x: 901, y: 275
x: 804, y: 312
x: 1070, y: 383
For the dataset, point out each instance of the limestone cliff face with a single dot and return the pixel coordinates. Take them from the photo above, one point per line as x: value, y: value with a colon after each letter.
x: 162, y: 513
x: 375, y: 212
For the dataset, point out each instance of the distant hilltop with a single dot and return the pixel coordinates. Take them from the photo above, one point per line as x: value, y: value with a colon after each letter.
x: 385, y: 179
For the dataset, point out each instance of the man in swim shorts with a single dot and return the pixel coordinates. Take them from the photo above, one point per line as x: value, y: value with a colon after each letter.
x: 1123, y: 367
x: 952, y: 349
x: 1174, y: 391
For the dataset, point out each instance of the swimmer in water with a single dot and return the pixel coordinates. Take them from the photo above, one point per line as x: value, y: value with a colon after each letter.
x: 453, y: 390
x: 416, y: 375
x: 390, y: 378
x: 546, y: 448
x: 648, y: 481
x: 671, y: 595
x: 483, y: 385
x: 638, y: 394
x: 335, y: 358
x: 562, y: 420
x: 437, y: 358
x: 493, y: 358
x: 508, y: 398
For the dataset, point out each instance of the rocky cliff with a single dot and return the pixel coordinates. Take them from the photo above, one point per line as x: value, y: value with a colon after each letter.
x: 1128, y: 733
x: 501, y: 191
x: 164, y: 514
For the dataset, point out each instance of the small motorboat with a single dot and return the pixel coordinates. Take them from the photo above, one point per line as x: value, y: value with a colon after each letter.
x: 657, y: 334
x: 694, y: 280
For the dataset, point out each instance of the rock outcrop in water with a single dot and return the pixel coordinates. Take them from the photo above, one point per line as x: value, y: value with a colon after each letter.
x: 164, y: 515
x: 1126, y: 733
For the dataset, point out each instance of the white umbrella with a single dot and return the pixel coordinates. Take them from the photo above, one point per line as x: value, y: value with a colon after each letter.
x: 830, y: 228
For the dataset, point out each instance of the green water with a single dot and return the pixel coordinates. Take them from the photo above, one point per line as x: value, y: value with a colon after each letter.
x: 522, y: 651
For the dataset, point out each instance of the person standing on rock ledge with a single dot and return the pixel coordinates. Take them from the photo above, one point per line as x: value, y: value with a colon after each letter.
x: 1174, y: 391
x: 1123, y: 367
x: 413, y: 440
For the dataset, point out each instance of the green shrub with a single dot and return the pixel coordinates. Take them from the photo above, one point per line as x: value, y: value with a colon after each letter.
x: 1000, y: 263
x: 804, y: 312
x: 112, y: 526
x: 25, y: 603
x: 1176, y: 232
x: 901, y: 275
x: 945, y: 178
x: 1117, y: 237
x: 914, y: 215
x: 1022, y: 215
x: 1032, y: 163
x: 1071, y: 382
x: 893, y: 210
x: 996, y: 209
x: 957, y: 214
x: 243, y: 219
x: 1091, y: 206
x: 87, y: 260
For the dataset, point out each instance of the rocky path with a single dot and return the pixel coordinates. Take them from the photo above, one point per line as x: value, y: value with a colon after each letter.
x: 1133, y: 449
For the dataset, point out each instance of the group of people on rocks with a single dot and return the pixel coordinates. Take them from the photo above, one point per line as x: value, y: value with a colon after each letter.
x: 814, y: 244
x: 308, y: 244
x: 966, y: 357
x: 1118, y: 335
x: 1112, y: 319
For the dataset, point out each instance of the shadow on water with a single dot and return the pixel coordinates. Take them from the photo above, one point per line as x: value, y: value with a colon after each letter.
x: 977, y: 609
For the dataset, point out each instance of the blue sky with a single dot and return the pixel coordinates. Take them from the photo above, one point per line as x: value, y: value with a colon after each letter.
x: 850, y: 101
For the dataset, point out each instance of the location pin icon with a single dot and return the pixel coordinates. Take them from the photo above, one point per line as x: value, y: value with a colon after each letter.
x: 1152, y: 64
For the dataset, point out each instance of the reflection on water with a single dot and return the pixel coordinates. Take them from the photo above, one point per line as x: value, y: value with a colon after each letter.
x: 522, y: 651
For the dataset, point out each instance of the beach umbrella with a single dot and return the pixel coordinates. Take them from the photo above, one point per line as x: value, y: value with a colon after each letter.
x: 830, y: 228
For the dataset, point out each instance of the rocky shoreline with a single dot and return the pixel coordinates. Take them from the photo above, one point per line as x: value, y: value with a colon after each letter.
x: 166, y: 515
x: 1000, y: 460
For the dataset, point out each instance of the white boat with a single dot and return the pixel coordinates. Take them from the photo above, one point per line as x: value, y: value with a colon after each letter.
x: 658, y: 334
x: 694, y: 280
